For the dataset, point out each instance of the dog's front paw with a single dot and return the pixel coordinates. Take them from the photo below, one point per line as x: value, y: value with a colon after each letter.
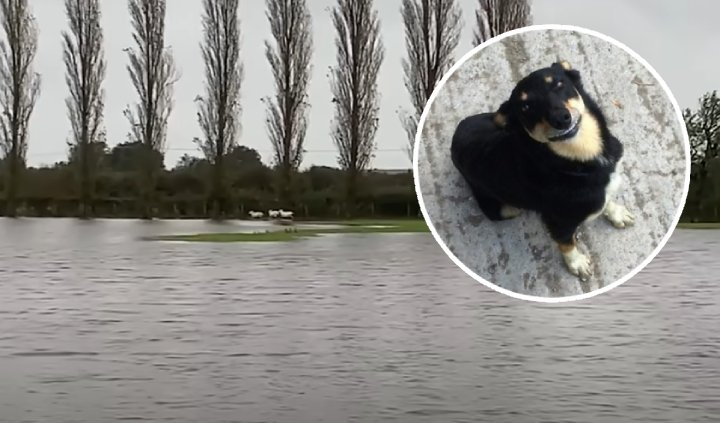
x: 509, y: 212
x: 579, y: 264
x: 619, y: 216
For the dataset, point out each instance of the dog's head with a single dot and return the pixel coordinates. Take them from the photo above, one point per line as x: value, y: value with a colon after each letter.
x: 547, y: 104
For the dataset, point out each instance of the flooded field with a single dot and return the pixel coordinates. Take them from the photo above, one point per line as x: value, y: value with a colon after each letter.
x: 97, y: 325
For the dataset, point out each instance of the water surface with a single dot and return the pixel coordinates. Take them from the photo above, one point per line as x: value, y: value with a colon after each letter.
x: 99, y: 326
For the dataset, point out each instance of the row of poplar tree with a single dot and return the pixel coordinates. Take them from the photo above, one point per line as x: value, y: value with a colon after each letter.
x: 432, y: 29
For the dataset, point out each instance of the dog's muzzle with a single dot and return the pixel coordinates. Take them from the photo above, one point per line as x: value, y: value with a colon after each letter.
x: 571, y: 131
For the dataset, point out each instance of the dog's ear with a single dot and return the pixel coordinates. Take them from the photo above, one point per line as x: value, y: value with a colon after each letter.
x: 571, y: 73
x: 503, y: 115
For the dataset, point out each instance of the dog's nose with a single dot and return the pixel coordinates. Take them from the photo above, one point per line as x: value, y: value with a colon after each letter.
x: 561, y: 118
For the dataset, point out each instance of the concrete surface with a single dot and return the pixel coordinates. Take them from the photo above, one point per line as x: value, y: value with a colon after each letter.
x: 518, y: 254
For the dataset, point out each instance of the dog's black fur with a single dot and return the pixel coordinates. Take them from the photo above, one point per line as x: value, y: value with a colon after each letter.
x: 505, y: 165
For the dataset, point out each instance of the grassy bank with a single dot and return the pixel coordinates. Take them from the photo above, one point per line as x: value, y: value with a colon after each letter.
x: 699, y: 225
x: 292, y: 234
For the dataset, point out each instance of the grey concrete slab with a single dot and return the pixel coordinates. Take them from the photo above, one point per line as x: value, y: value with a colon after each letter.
x: 518, y: 254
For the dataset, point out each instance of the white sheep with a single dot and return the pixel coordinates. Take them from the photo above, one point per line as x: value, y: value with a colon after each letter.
x: 273, y: 213
x: 286, y: 214
x: 256, y: 214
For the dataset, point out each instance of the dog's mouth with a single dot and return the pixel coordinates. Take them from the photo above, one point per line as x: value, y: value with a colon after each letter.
x: 571, y: 131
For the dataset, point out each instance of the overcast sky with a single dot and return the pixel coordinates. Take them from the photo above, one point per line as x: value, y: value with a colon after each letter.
x: 679, y: 39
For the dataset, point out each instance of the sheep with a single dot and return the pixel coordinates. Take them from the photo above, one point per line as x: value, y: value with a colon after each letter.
x: 286, y: 214
x: 256, y: 214
x: 273, y: 213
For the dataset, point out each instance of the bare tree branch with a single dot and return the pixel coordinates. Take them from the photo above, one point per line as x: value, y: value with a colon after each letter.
x: 153, y: 74
x: 19, y: 90
x: 360, y: 53
x: 219, y: 110
x: 85, y: 71
x: 432, y: 31
x: 494, y: 17
x: 289, y: 57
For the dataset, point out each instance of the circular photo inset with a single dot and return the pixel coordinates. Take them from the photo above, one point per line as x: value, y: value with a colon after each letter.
x: 552, y: 163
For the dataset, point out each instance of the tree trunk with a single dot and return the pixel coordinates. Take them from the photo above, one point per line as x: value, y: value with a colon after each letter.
x: 12, y: 184
x: 351, y: 193
x: 286, y: 190
x: 218, y: 191
x: 147, y: 183
x: 85, y: 180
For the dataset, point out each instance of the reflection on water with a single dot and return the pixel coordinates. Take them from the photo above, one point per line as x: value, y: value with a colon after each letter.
x: 97, y: 326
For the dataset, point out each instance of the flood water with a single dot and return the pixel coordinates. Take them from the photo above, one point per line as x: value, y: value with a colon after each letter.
x: 97, y: 325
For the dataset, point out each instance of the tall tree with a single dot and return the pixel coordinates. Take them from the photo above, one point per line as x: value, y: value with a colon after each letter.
x: 494, y: 17
x: 432, y: 31
x: 19, y: 90
x: 289, y: 59
x: 85, y: 72
x: 219, y: 110
x: 703, y: 128
x: 153, y: 74
x: 353, y: 81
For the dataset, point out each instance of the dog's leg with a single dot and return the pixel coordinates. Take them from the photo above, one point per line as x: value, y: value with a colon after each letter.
x: 564, y: 235
x: 616, y: 213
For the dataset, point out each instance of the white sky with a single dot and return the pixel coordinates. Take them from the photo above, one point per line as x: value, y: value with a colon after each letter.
x: 679, y: 39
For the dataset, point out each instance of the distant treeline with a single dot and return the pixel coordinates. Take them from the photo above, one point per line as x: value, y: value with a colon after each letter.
x: 183, y: 191
x: 703, y: 125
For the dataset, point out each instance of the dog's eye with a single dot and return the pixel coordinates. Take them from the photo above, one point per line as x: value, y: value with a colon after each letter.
x: 559, y: 84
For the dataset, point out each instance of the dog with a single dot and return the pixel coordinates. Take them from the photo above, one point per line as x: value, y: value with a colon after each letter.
x: 547, y: 149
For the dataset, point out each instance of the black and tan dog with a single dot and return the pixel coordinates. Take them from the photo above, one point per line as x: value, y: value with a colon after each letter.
x: 547, y: 149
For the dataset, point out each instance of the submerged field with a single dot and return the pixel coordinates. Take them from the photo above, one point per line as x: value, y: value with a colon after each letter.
x: 294, y: 233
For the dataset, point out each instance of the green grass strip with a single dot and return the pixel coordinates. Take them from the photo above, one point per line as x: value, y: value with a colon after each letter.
x: 699, y: 225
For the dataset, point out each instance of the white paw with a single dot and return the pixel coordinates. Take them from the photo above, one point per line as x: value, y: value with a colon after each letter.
x: 509, y: 212
x: 579, y: 264
x: 619, y: 216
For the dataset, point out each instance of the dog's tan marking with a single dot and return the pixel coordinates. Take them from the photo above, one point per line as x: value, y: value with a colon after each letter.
x: 500, y: 119
x: 523, y: 96
x: 584, y: 146
x: 539, y: 132
x: 565, y: 64
x: 549, y: 79
x: 566, y: 248
x: 576, y: 103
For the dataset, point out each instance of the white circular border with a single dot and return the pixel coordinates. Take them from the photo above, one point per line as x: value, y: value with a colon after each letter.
x: 421, y: 125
